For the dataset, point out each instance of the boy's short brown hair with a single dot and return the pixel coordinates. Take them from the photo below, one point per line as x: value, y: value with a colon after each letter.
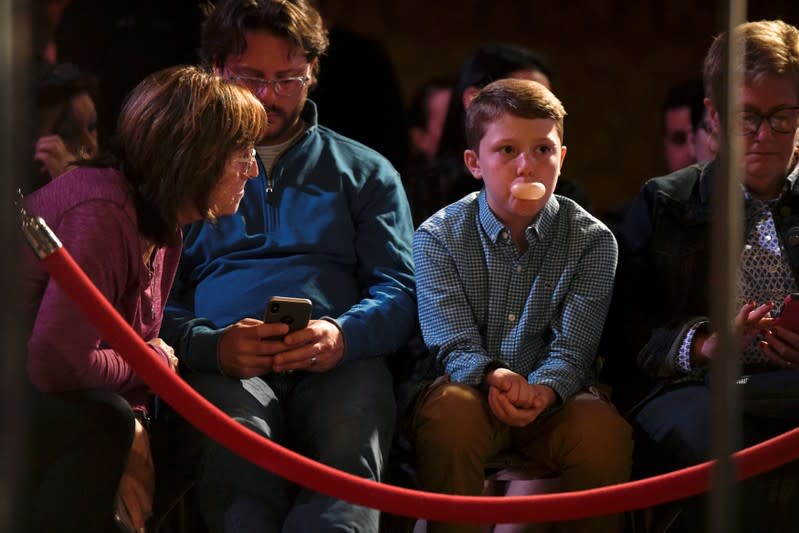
x: 771, y: 47
x: 520, y: 98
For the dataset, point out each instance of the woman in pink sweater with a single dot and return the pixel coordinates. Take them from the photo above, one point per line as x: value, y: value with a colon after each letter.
x: 183, y: 151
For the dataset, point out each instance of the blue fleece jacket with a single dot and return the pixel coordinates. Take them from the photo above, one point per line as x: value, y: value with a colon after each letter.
x: 334, y: 227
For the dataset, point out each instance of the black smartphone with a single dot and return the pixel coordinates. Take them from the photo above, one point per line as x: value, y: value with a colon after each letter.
x: 296, y: 312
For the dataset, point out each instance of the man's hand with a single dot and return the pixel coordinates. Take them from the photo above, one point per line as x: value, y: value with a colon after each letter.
x: 137, y: 485
x: 316, y: 348
x: 54, y: 156
x: 246, y: 349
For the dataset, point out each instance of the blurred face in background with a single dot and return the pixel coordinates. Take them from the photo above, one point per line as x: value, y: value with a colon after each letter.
x: 76, y: 123
x: 678, y: 139
x: 426, y: 140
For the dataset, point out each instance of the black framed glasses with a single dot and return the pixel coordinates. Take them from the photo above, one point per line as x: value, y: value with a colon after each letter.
x: 782, y: 120
x: 280, y: 86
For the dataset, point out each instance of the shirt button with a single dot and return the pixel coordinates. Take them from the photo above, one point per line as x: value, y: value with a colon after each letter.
x: 768, y: 237
x: 518, y: 268
x: 511, y: 318
x: 503, y: 235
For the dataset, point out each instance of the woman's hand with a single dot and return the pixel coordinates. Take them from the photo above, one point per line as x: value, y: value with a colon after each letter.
x: 167, y: 349
x: 781, y: 346
x: 137, y: 485
x: 751, y: 319
x: 53, y: 154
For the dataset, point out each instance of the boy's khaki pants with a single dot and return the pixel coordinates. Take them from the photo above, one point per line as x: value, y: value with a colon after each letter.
x: 586, y: 442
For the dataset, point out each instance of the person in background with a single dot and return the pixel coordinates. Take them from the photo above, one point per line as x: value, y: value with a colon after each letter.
x: 358, y: 93
x: 121, y: 43
x: 683, y: 107
x: 120, y: 218
x: 513, y: 284
x: 426, y: 116
x: 660, y: 341
x: 446, y: 180
x: 326, y: 219
x: 66, y: 121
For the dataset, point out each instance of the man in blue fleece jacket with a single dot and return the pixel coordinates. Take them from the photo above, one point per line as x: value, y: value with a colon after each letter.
x: 326, y: 219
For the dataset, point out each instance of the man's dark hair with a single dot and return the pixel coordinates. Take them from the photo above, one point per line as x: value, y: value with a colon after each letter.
x: 227, y: 22
x: 690, y: 94
x: 489, y: 62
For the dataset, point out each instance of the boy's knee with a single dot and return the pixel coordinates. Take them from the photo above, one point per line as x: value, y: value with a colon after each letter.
x: 600, y: 437
x: 452, y: 414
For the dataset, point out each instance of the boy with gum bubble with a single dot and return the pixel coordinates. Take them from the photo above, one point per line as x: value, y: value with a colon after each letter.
x: 514, y: 284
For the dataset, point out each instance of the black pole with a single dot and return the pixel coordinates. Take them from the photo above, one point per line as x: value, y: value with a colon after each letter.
x: 727, y: 241
x: 15, y: 152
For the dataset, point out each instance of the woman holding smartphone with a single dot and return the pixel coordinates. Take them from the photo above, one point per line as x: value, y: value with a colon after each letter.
x: 183, y: 151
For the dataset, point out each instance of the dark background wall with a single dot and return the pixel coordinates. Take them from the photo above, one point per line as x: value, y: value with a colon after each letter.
x: 613, y: 61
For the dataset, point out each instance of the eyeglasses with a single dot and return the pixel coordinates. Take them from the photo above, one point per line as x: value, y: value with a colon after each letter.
x: 784, y: 120
x: 245, y: 163
x: 280, y: 86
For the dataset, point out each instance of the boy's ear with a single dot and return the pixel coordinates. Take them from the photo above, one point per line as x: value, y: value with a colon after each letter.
x: 473, y: 163
x: 562, y: 154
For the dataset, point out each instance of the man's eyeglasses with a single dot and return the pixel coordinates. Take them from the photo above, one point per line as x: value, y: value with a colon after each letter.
x: 280, y: 86
x: 784, y: 120
x: 245, y: 163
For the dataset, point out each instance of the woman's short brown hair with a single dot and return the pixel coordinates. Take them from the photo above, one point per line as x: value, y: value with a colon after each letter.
x: 771, y: 47
x: 176, y: 132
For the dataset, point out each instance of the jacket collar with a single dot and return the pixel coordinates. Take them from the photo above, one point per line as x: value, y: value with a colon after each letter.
x: 708, y: 175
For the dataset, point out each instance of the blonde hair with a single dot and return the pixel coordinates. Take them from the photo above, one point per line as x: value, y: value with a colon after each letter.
x: 771, y: 47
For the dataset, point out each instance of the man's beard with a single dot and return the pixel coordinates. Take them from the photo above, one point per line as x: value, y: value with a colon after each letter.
x: 288, y: 122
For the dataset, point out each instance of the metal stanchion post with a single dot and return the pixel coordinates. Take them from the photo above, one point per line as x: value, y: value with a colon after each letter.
x: 15, y: 57
x: 727, y: 241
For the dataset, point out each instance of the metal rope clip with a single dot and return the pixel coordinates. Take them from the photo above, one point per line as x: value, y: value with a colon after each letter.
x: 39, y: 236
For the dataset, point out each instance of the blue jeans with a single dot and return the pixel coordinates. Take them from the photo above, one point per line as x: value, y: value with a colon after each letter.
x: 343, y: 418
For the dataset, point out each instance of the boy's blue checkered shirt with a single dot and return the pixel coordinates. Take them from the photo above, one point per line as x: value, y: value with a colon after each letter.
x: 541, y: 312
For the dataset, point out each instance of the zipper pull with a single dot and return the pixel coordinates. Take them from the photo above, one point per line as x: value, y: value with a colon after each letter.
x: 269, y: 188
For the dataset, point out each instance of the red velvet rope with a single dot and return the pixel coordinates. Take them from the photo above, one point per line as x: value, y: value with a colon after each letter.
x: 441, y: 507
